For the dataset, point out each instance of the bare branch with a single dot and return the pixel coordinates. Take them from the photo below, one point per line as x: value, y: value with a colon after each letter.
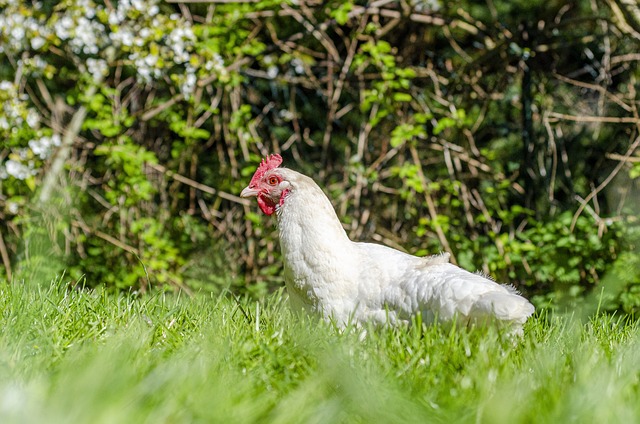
x: 607, y: 180
x: 582, y: 118
x: 431, y: 205
x: 5, y: 258
x: 623, y: 158
x: 199, y: 186
x: 602, y: 90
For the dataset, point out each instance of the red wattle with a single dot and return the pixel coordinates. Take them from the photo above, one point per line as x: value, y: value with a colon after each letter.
x: 265, y: 205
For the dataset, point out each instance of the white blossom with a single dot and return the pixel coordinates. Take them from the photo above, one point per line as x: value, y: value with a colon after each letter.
x: 272, y: 72
x: 122, y: 36
x: 12, y: 108
x: 18, y: 170
x: 31, y: 25
x: 97, y: 68
x: 146, y: 72
x: 188, y: 86
x: 426, y: 5
x: 298, y: 66
x: 217, y: 63
x: 145, y: 33
x: 33, y: 119
x: 286, y: 114
x: 139, y: 5
x: 13, y: 208
x: 87, y: 36
x: 7, y: 86
x: 115, y: 17
x: 43, y: 147
x: 22, y: 153
x: 180, y: 40
x: 151, y: 60
x: 37, y: 42
x: 18, y: 32
x: 63, y: 27
x: 89, y: 8
x: 14, y: 27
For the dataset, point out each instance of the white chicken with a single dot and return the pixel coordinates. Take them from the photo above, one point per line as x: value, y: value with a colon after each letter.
x: 350, y: 282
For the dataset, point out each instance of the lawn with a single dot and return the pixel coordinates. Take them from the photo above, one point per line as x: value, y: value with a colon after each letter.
x: 93, y: 357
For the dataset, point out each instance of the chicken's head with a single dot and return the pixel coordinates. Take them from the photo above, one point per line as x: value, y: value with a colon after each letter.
x: 268, y: 185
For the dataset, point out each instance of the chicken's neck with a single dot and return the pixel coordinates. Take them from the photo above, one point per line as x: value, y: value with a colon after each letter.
x: 310, y: 230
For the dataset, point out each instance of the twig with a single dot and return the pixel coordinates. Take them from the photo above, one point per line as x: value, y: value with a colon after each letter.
x: 630, y: 57
x: 464, y: 156
x: 594, y: 87
x: 106, y: 237
x: 607, y: 180
x: 199, y: 186
x: 334, y: 97
x: 431, y: 205
x: 233, y: 67
x: 153, y: 112
x: 627, y: 18
x: 585, y: 118
x: 622, y: 158
x: 5, y: 258
x: 554, y: 156
x: 454, y: 44
x: 396, y: 14
x: 320, y: 36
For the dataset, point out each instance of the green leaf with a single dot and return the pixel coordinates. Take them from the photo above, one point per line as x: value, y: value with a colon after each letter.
x: 443, y: 124
x: 31, y: 182
x: 341, y: 14
x: 402, y: 97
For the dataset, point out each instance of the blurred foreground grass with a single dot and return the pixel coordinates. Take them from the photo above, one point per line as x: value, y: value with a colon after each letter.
x: 93, y: 357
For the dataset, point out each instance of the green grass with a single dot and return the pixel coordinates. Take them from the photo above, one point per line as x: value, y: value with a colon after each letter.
x: 91, y: 357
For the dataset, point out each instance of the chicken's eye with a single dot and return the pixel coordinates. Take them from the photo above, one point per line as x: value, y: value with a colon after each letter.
x: 273, y: 181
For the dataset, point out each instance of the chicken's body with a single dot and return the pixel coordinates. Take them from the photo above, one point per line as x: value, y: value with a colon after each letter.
x: 349, y: 282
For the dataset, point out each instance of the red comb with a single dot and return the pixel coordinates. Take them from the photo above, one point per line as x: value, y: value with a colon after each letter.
x: 268, y: 163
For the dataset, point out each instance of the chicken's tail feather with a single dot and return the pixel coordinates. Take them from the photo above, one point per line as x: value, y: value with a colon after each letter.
x: 506, y: 307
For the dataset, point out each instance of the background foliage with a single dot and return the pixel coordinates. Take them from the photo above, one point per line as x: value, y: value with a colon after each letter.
x: 504, y: 132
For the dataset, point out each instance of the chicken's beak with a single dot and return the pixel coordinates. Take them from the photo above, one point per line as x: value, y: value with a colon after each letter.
x: 249, y: 192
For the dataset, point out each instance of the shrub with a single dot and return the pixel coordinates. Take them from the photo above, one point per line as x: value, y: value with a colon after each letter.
x: 129, y: 126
